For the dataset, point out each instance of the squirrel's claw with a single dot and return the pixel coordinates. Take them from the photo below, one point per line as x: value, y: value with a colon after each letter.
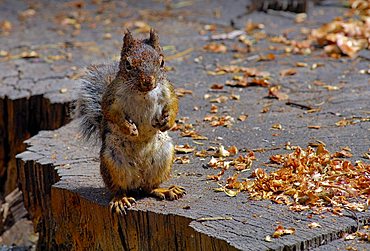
x: 171, y: 193
x: 132, y: 129
x: 119, y: 204
x: 162, y: 123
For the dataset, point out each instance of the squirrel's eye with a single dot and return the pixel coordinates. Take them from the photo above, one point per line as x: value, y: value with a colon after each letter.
x: 128, y: 65
x: 162, y: 63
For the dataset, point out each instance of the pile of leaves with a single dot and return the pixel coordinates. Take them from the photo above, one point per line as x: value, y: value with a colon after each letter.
x: 346, y: 37
x: 310, y: 179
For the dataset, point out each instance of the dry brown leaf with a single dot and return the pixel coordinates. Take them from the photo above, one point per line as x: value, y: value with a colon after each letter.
x: 180, y: 92
x: 219, y: 99
x: 184, y: 148
x: 202, y: 154
x: 217, y: 87
x: 214, y: 108
x: 314, y: 225
x: 280, y: 231
x: 243, y: 117
x: 314, y: 126
x: 233, y: 150
x: 215, y: 47
x: 267, y: 57
x: 288, y: 72
x: 301, y: 64
x: 277, y: 126
x: 235, y: 97
x: 342, y: 154
x: 259, y: 82
x: 331, y: 87
x: 300, y: 17
x: 6, y: 26
x: 182, y: 160
x: 29, y: 54
x: 222, y: 152
x: 319, y: 83
x: 274, y: 92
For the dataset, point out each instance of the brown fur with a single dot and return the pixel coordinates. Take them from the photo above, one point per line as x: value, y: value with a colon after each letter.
x: 138, y: 107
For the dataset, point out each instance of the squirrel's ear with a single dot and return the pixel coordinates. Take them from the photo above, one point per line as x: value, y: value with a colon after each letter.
x: 128, y: 40
x: 154, y: 40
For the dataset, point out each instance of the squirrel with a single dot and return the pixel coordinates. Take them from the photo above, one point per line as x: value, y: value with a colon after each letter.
x: 129, y: 105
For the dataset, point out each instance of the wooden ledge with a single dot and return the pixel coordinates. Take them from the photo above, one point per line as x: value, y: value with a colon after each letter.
x: 73, y: 213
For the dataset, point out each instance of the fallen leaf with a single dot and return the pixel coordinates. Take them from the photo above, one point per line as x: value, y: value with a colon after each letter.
x: 232, y: 96
x: 331, y: 87
x: 319, y: 83
x: 350, y: 237
x: 182, y: 159
x: 214, y: 108
x: 366, y: 155
x: 217, y: 87
x: 300, y: 17
x: 259, y: 82
x: 216, y: 48
x: 277, y: 126
x: 63, y: 90
x: 107, y: 36
x: 274, y: 92
x: 27, y: 13
x: 288, y: 72
x: 4, y: 53
x: 230, y: 193
x: 301, y: 64
x: 314, y: 225
x: 243, y: 117
x: 180, y: 92
x: 219, y: 99
x: 267, y: 57
x: 268, y: 238
x: 184, y: 148
x: 141, y: 26
x: 342, y: 154
x: 222, y: 152
x: 29, y: 54
x: 280, y: 231
x: 6, y: 26
x: 233, y: 150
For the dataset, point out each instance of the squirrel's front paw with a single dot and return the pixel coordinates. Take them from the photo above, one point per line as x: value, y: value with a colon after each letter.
x: 162, y: 123
x: 131, y: 128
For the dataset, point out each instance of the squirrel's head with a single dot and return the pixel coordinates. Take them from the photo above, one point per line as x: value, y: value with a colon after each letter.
x: 141, y: 61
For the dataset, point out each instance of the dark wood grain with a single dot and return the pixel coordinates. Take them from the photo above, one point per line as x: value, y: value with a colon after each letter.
x: 30, y: 101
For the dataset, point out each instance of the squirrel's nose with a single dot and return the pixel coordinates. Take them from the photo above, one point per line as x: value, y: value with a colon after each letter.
x: 150, y: 81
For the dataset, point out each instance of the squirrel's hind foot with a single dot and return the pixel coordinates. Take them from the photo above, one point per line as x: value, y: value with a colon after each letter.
x: 171, y: 193
x: 120, y: 203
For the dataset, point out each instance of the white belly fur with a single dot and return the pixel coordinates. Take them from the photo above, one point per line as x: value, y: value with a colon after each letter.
x: 143, y: 161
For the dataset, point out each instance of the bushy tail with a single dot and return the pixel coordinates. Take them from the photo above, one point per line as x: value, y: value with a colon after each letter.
x: 88, y: 105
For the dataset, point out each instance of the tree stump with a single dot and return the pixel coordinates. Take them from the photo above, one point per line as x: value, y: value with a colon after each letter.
x: 65, y: 196
x: 33, y: 97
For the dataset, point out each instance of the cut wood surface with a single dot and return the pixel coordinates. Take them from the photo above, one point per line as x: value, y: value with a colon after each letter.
x: 30, y: 100
x: 59, y: 176
x: 78, y: 217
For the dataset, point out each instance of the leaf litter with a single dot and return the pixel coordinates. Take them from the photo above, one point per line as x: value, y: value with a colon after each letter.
x: 305, y: 179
